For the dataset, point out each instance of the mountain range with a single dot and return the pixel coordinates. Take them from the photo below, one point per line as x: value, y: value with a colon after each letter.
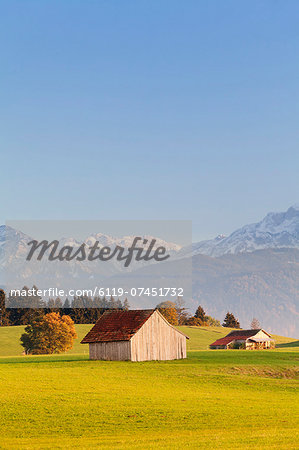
x: 253, y: 272
x: 276, y: 230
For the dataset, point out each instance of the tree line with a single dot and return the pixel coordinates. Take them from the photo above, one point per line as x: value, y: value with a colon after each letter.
x: 177, y: 314
x: 88, y: 310
x: 79, y: 309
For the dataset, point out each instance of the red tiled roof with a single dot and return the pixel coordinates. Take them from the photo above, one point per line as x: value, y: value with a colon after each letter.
x: 116, y: 325
x: 237, y: 334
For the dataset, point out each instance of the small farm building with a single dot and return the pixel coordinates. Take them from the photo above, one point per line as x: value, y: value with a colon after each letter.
x: 136, y: 335
x: 247, y: 339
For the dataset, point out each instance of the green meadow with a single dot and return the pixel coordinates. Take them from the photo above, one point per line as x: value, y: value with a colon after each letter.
x: 200, y: 338
x: 213, y: 399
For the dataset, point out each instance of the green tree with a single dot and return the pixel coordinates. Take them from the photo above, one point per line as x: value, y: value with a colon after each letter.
x: 126, y: 306
x: 49, y: 333
x: 230, y: 321
x: 51, y: 303
x: 27, y: 299
x: 112, y: 303
x: 78, y: 310
x: 200, y: 313
x: 4, y: 316
x: 66, y: 304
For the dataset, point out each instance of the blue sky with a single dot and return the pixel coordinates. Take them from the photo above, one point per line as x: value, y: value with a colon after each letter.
x: 149, y: 110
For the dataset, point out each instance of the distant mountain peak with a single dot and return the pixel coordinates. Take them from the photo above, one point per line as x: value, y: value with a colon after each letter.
x: 220, y: 237
x: 276, y: 230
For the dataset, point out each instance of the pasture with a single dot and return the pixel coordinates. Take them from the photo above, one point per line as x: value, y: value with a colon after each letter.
x: 214, y: 399
x: 200, y: 338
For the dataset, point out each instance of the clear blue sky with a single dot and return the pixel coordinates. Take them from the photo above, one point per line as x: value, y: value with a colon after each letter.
x: 149, y: 110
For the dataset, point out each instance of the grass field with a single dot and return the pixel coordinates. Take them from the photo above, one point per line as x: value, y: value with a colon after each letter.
x: 200, y: 338
x: 214, y: 399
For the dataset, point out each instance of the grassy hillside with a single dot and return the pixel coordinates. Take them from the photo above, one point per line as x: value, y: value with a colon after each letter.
x: 221, y: 399
x: 10, y: 340
x: 200, y: 338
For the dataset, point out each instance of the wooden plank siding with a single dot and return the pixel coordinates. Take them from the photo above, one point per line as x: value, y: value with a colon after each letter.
x: 157, y: 340
x: 110, y: 351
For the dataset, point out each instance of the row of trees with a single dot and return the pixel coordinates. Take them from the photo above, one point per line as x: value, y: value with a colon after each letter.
x: 88, y: 310
x: 79, y: 309
x: 34, y: 301
x: 231, y: 322
x: 177, y: 314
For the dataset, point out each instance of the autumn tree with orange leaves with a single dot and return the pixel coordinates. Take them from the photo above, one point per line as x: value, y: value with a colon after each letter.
x: 169, y: 311
x: 49, y: 333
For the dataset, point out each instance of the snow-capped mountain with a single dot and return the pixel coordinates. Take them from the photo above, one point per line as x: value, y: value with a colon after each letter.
x: 77, y: 275
x: 14, y: 249
x: 16, y: 239
x: 126, y: 241
x: 12, y: 242
x: 276, y: 230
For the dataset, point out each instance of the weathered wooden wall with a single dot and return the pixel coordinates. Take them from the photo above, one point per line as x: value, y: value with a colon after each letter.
x: 261, y: 335
x: 157, y: 340
x: 110, y: 351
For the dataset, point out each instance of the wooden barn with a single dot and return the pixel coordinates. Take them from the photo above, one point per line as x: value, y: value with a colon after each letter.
x: 135, y: 335
x: 245, y: 339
